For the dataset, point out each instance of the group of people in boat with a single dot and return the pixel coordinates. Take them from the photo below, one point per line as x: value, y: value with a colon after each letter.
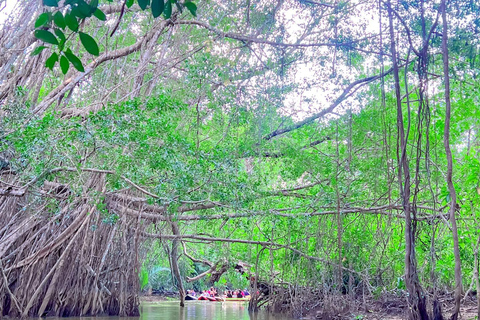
x: 213, y: 293
x: 236, y: 293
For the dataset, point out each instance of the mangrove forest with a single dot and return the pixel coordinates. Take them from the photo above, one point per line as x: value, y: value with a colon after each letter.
x: 321, y: 156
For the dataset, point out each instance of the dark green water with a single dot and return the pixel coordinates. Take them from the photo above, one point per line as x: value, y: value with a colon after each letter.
x: 194, y: 310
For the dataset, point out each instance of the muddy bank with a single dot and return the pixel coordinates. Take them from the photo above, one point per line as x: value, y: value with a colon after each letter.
x: 387, y: 308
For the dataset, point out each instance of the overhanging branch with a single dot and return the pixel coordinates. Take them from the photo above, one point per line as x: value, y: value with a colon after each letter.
x: 347, y: 92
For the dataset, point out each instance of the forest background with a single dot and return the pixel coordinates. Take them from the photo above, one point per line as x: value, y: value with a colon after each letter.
x: 329, y: 151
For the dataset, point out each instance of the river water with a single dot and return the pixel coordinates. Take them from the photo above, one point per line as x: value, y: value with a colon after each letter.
x: 195, y: 310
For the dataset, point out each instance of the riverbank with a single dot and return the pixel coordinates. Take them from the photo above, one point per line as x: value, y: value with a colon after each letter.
x: 385, y: 308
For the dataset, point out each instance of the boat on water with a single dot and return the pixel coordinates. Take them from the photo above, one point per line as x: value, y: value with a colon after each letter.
x: 220, y: 299
x: 247, y: 298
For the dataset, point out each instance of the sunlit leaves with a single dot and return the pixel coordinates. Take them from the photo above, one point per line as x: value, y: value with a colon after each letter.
x: 42, y: 19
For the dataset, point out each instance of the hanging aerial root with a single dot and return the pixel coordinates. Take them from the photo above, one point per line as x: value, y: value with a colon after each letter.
x: 72, y: 261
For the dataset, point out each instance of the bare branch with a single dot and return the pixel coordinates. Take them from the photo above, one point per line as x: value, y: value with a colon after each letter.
x: 261, y: 243
x: 354, y: 86
x: 255, y: 39
x: 71, y: 82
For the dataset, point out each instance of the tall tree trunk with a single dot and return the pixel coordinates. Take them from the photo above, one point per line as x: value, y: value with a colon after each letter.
x: 175, y: 268
x: 448, y: 151
x: 475, y: 276
x: 416, y: 297
x: 339, y: 220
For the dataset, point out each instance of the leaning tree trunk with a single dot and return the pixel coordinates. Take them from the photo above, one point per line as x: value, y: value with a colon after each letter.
x: 448, y: 151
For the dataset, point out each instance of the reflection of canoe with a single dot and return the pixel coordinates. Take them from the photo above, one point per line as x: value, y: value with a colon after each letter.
x: 189, y: 297
x: 247, y: 298
x: 215, y: 299
x: 209, y: 299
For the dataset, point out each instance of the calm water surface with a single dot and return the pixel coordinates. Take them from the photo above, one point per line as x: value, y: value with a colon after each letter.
x: 195, y: 310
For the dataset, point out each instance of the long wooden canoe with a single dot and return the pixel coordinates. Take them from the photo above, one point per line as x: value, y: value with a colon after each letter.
x: 220, y: 299
x: 247, y: 298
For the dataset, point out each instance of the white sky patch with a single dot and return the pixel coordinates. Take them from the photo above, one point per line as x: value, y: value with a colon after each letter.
x: 6, y: 8
x: 321, y: 79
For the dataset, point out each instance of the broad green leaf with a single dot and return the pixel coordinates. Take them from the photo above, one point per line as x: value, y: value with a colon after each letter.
x: 45, y: 36
x: 50, y: 3
x: 143, y: 4
x: 64, y: 64
x: 50, y: 62
x: 100, y: 15
x: 60, y: 35
x: 77, y: 13
x: 74, y: 60
x: 157, y: 7
x: 93, y: 5
x: 42, y: 19
x: 168, y: 9
x: 89, y: 43
x: 85, y: 8
x: 71, y: 22
x: 37, y: 50
x: 129, y: 3
x: 59, y: 20
x: 192, y: 7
